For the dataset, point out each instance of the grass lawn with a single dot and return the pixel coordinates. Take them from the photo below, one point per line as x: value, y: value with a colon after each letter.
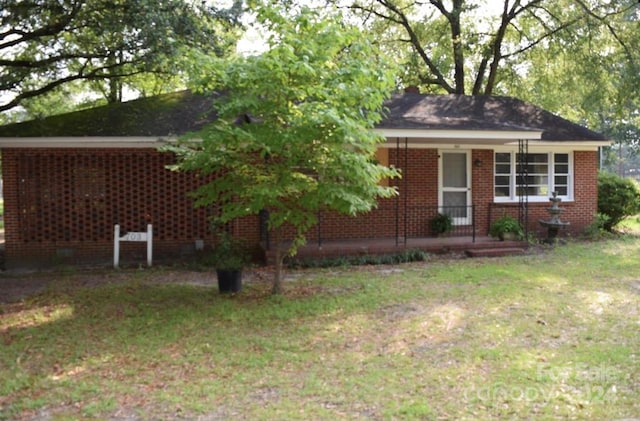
x: 551, y: 335
x: 630, y: 224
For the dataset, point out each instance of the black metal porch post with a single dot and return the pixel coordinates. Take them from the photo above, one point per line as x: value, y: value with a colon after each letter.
x: 398, y: 196
x: 473, y: 223
x: 406, y: 190
x: 522, y: 187
x: 319, y: 230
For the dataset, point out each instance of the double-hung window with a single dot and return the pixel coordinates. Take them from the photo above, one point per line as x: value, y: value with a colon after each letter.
x: 537, y: 176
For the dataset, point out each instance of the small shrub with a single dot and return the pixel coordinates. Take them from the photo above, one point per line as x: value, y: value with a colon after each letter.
x: 441, y: 224
x: 618, y: 198
x: 406, y: 256
x: 414, y: 255
x: 229, y: 253
x: 596, y: 229
x: 504, y: 225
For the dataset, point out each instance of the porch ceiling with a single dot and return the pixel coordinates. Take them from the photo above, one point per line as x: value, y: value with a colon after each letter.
x: 417, y: 138
x: 488, y: 137
x: 479, y: 139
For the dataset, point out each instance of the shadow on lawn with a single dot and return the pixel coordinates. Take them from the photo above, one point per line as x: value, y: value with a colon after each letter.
x: 71, y: 345
x: 71, y: 324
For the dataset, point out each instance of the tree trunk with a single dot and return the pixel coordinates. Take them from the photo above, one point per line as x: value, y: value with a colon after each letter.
x: 114, y: 93
x: 277, y: 280
x: 458, y: 47
x: 496, y: 55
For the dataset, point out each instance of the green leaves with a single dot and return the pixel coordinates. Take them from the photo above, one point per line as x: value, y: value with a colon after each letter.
x: 618, y: 198
x: 106, y: 44
x: 294, y: 130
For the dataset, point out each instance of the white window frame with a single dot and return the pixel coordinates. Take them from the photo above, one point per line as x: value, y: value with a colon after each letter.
x: 550, y: 177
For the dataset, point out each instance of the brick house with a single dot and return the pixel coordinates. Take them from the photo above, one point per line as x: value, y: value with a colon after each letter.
x: 69, y: 179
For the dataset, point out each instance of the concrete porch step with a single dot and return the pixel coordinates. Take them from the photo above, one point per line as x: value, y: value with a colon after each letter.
x: 494, y: 252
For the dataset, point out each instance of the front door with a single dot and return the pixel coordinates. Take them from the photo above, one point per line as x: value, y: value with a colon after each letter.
x: 455, y: 186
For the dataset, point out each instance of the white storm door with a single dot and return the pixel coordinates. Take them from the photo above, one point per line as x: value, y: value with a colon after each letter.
x: 455, y: 186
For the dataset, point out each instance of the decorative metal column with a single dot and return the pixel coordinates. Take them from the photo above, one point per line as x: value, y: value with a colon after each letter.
x: 398, y: 196
x: 522, y: 184
x: 406, y: 187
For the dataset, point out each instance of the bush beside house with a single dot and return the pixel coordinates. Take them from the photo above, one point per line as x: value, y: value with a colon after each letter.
x: 618, y: 198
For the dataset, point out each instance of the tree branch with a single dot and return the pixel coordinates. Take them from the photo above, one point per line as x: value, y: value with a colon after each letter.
x: 48, y: 30
x: 29, y: 64
x: 614, y: 33
x: 508, y: 15
x: 95, y: 74
x: 415, y: 42
x: 541, y: 38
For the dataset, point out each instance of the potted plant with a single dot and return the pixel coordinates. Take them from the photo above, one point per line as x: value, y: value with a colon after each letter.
x: 441, y: 224
x: 229, y: 257
x: 506, y: 228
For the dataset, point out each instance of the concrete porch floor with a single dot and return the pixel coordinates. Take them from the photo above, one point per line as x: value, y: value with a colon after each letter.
x: 483, y: 245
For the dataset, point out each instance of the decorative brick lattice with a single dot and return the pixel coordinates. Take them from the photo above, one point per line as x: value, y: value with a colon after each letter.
x: 78, y: 195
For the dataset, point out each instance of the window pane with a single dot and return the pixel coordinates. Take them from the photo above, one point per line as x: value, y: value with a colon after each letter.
x: 454, y: 169
x: 503, y: 169
x: 542, y: 191
x: 561, y: 173
x: 502, y: 191
x: 537, y: 180
x: 455, y: 204
x: 503, y: 174
x: 534, y: 190
x: 537, y: 168
x: 537, y: 158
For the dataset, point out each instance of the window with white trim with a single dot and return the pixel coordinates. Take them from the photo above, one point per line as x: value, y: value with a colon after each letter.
x: 545, y: 173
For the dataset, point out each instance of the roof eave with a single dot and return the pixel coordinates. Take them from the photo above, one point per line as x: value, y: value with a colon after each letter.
x: 107, y: 142
x: 603, y: 142
x: 499, y: 137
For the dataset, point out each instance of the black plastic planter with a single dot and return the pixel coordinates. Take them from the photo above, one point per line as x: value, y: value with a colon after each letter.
x: 229, y: 280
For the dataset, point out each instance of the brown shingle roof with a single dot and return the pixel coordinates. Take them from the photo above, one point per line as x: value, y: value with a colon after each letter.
x: 162, y: 115
x: 461, y: 112
x: 180, y: 112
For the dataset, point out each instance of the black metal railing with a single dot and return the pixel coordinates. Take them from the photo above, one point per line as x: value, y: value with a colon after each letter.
x: 411, y: 222
x: 422, y: 221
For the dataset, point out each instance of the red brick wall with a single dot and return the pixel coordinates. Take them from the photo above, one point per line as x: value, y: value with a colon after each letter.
x: 61, y: 205
x: 482, y: 188
x: 419, y: 196
x: 418, y: 193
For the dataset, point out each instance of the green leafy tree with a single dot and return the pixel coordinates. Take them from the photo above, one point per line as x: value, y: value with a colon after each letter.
x: 597, y: 61
x: 618, y: 198
x: 294, y: 134
x: 473, y: 46
x: 45, y: 44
